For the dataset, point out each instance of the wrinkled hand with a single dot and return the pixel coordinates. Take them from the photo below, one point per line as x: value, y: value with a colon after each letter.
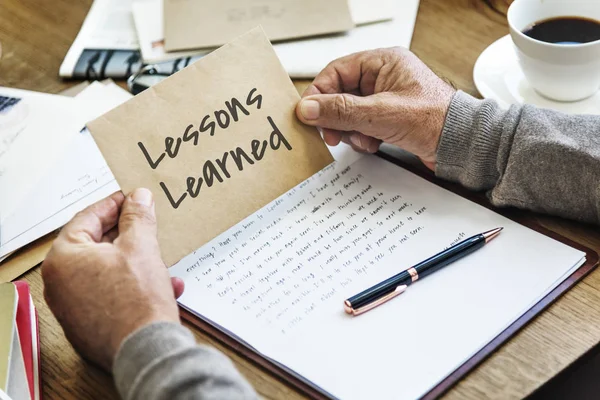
x: 385, y: 95
x: 104, y: 277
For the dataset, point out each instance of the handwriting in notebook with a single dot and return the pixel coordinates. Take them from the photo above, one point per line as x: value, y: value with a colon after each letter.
x: 276, y: 282
x: 303, y: 249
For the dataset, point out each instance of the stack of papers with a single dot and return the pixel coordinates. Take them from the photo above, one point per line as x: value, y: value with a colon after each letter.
x: 118, y: 37
x: 50, y: 167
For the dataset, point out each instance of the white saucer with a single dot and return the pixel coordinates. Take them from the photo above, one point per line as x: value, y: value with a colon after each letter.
x: 498, y: 76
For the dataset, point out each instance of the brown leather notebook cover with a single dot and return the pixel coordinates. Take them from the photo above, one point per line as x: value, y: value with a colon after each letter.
x: 310, y: 389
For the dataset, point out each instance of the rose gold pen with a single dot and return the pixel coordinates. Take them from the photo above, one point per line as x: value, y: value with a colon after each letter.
x: 397, y: 284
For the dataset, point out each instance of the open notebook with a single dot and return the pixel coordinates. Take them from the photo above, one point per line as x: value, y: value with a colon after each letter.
x: 276, y: 281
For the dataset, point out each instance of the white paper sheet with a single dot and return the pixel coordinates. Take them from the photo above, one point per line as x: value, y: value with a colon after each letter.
x: 301, y: 58
x: 34, y: 134
x: 81, y: 178
x: 279, y: 278
x: 306, y: 58
x: 108, y: 25
x: 148, y: 17
x: 368, y: 11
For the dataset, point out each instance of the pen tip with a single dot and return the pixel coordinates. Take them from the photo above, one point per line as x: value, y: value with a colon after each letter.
x: 489, y: 235
x: 348, y: 307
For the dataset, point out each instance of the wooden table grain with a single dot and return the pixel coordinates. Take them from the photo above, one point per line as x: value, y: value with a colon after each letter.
x: 35, y: 36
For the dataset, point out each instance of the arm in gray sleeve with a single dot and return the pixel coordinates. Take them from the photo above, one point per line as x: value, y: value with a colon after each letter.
x: 163, y: 361
x: 526, y: 157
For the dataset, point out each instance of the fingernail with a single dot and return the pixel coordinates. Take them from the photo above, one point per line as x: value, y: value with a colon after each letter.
x: 142, y: 196
x: 310, y: 109
x: 355, y: 139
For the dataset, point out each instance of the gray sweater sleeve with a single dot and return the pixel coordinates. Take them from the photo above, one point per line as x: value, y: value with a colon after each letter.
x: 526, y: 157
x: 163, y: 361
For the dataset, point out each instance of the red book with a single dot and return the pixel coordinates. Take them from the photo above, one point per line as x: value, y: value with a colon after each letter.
x: 27, y: 326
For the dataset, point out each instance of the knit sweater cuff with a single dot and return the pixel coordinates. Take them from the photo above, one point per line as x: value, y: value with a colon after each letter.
x: 468, y: 148
x: 144, y: 347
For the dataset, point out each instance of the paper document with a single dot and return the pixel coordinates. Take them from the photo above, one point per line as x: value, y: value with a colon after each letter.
x: 214, y: 142
x: 278, y: 279
x: 148, y: 17
x: 106, y: 45
x: 35, y: 129
x: 306, y: 58
x: 94, y: 55
x: 369, y: 11
x: 80, y: 178
x: 212, y: 23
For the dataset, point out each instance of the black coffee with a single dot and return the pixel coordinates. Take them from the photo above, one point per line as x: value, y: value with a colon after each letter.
x: 565, y: 30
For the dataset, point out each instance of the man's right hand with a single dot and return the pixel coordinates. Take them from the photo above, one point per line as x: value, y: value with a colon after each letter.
x: 385, y: 95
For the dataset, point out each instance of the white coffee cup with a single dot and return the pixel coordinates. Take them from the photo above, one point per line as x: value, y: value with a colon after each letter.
x: 564, y: 72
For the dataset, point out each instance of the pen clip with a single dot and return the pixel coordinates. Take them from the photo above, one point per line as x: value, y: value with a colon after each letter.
x: 348, y: 307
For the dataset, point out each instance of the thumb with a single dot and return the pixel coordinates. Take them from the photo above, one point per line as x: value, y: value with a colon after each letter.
x: 342, y: 111
x: 137, y: 222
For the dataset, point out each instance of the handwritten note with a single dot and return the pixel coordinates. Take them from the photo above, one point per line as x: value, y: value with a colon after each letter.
x: 278, y: 279
x: 214, y: 142
x: 310, y: 246
x: 333, y: 236
x: 211, y: 23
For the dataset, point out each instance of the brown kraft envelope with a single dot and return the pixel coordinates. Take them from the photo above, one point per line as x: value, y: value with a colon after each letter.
x: 192, y: 24
x: 215, y: 142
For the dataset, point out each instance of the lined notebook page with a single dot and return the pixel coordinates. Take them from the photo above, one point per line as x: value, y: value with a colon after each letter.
x: 278, y: 279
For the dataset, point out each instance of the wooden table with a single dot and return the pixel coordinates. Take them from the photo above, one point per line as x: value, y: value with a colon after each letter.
x: 449, y: 35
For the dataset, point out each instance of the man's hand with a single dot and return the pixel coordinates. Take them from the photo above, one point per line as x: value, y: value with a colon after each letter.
x: 104, y: 277
x: 384, y: 95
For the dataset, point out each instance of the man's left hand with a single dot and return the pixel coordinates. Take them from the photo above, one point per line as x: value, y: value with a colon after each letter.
x: 104, y: 277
